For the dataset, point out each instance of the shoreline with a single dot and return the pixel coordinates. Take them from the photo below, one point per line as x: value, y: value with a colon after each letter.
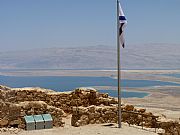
x: 157, y: 75
x: 24, y: 71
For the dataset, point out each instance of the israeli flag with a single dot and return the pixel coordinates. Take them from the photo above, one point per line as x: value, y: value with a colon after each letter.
x: 122, y: 25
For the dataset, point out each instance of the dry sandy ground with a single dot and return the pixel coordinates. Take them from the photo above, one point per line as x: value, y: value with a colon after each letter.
x: 96, y: 129
x: 90, y: 130
x: 168, y: 106
x: 162, y: 100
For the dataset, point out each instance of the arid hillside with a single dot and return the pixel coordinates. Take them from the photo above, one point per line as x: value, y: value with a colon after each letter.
x: 147, y: 56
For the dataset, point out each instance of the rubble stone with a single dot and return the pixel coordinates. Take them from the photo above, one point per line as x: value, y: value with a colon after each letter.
x: 3, y: 122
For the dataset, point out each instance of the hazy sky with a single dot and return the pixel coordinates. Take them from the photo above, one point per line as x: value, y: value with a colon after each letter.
x: 26, y: 24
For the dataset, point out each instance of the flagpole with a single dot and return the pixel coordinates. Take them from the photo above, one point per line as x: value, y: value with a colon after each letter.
x: 119, y: 69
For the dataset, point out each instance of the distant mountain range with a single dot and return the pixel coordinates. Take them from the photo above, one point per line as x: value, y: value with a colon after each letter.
x: 147, y: 56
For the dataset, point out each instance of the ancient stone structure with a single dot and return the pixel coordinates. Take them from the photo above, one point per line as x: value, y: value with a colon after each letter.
x: 86, y: 105
x: 93, y: 115
x: 18, y: 102
x: 11, y: 114
x: 108, y: 114
x: 62, y: 100
x: 171, y: 128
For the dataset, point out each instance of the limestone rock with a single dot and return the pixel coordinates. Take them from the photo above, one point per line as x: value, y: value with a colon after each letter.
x: 15, y: 122
x: 91, y: 109
x: 3, y: 122
x: 84, y: 120
x: 74, y: 119
x: 142, y: 110
x: 129, y: 108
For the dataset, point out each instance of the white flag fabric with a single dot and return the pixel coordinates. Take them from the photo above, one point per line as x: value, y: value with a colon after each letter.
x: 122, y: 25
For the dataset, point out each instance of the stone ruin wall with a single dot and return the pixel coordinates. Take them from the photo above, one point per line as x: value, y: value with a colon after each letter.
x: 16, y: 103
x: 108, y: 114
x: 62, y: 100
x: 11, y: 115
x: 87, y: 106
